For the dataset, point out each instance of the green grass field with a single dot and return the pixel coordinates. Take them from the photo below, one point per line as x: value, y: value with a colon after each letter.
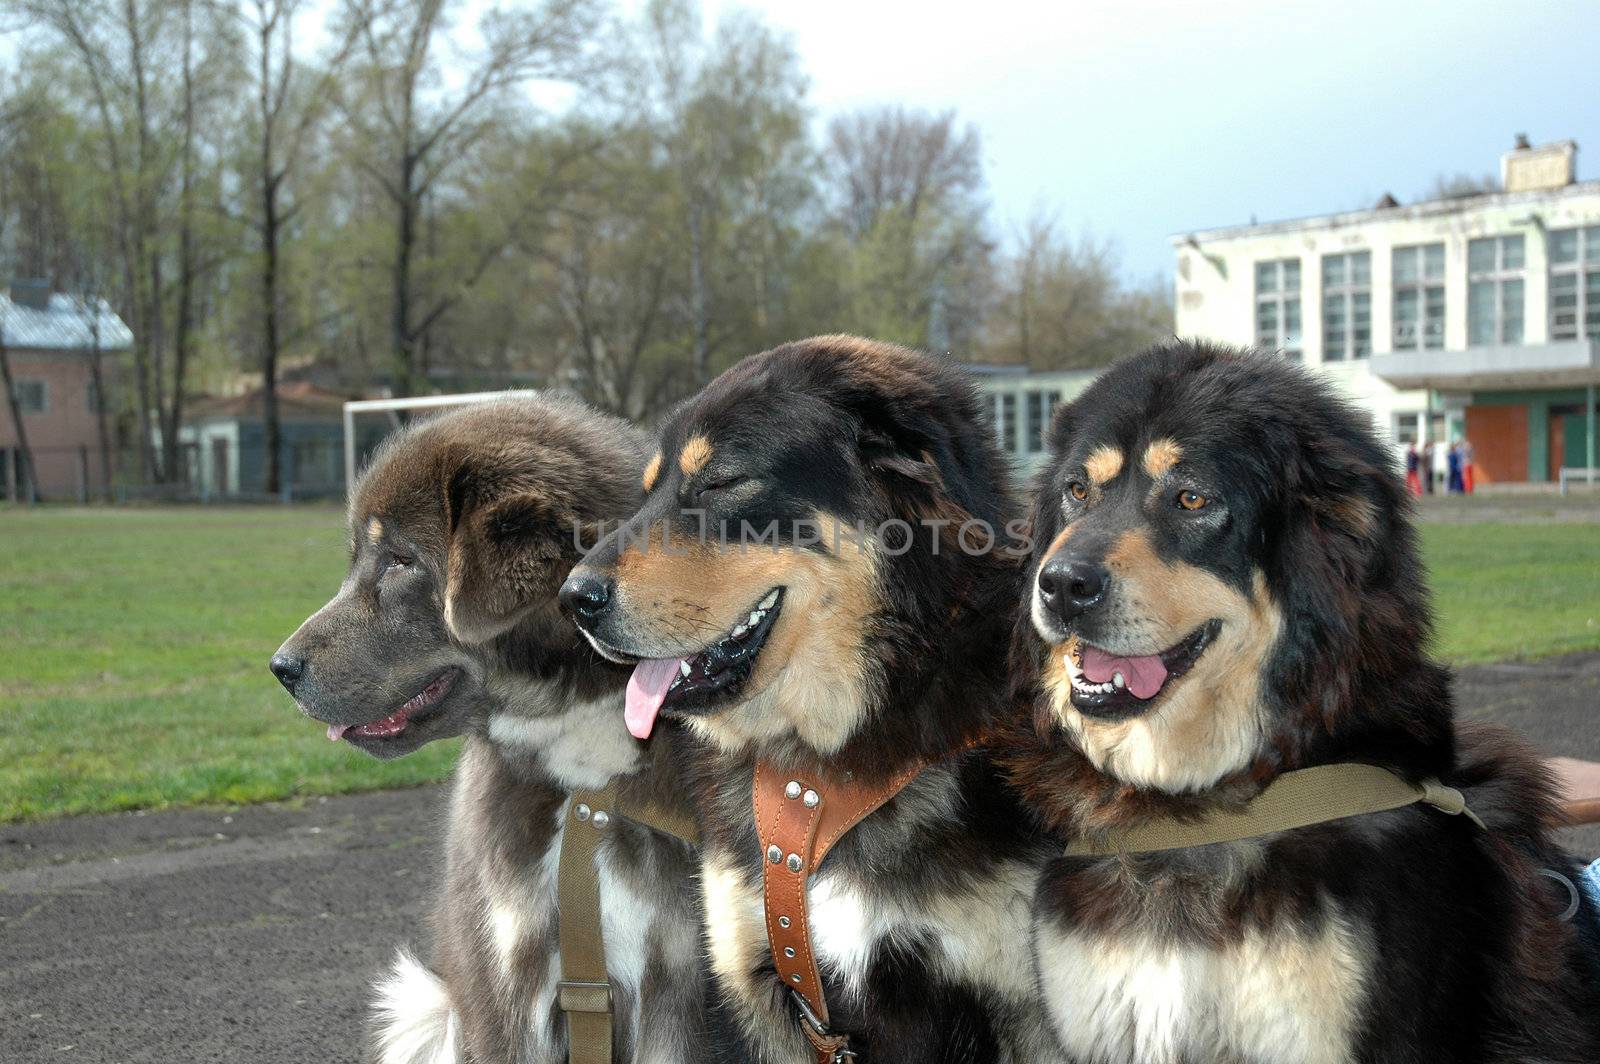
x: 135, y: 643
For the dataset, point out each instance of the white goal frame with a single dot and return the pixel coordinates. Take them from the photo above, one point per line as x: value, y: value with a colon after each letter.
x: 416, y: 402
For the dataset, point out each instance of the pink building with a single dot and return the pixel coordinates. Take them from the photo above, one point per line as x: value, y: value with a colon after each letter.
x: 49, y: 340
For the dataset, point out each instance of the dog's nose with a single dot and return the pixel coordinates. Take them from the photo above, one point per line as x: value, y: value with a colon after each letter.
x: 1072, y: 586
x: 587, y: 596
x: 287, y: 669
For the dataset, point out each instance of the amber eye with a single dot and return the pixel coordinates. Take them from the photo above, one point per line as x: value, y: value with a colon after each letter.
x: 1077, y: 490
x: 1192, y: 500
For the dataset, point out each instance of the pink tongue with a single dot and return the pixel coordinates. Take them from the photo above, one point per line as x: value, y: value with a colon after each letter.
x: 1144, y: 675
x: 647, y: 688
x: 336, y: 731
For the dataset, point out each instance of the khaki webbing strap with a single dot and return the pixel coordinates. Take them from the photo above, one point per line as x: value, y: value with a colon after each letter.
x: 1293, y: 800
x: 585, y: 991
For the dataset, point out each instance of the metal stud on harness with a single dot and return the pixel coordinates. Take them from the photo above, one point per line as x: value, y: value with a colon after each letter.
x: 798, y: 823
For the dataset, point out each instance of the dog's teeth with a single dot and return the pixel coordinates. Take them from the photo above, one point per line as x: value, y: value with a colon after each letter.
x: 771, y: 600
x: 1117, y: 680
x: 683, y: 668
x: 740, y: 629
x: 753, y: 619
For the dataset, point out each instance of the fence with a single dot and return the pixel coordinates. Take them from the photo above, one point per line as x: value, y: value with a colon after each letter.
x: 214, y: 470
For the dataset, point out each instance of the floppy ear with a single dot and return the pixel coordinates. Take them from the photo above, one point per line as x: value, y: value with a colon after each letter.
x: 506, y: 556
x: 883, y: 454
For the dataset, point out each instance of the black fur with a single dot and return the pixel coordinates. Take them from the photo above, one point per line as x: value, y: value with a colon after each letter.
x: 1465, y: 959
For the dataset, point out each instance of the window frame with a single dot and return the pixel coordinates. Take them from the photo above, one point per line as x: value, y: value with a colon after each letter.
x: 1280, y: 298
x: 1346, y: 293
x: 1585, y: 273
x: 1498, y: 278
x: 44, y: 395
x: 1422, y: 285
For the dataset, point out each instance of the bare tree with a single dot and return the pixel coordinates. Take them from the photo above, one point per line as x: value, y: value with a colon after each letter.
x: 1061, y: 305
x: 892, y: 159
x: 289, y: 102
x: 147, y: 85
x: 411, y: 131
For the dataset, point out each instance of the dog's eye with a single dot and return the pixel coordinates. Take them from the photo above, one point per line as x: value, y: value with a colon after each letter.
x: 720, y: 485
x: 397, y: 561
x: 1078, y: 490
x: 1192, y: 500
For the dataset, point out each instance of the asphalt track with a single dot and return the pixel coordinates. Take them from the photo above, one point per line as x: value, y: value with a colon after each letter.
x: 251, y: 936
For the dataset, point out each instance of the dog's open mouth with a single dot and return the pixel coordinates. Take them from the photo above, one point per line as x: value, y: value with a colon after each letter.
x: 1114, y: 686
x: 713, y: 676
x: 417, y: 707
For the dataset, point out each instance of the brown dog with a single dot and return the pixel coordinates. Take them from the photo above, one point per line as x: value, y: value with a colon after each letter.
x: 461, y: 533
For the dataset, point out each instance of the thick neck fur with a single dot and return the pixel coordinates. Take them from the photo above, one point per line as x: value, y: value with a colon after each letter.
x: 938, y: 677
x: 1399, y: 715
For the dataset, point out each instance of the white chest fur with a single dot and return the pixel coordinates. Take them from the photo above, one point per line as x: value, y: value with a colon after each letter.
x: 1278, y: 996
x: 977, y: 936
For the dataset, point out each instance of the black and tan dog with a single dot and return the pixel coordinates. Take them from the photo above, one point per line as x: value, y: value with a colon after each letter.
x: 806, y: 585
x: 1226, y: 589
x: 447, y: 623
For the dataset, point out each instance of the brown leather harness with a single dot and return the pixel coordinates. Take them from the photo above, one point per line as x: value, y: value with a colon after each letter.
x: 584, y: 992
x: 798, y: 820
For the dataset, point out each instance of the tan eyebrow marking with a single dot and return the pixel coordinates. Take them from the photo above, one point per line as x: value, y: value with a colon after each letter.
x: 1103, y: 464
x: 374, y: 530
x: 1161, y: 456
x: 694, y: 456
x: 652, y: 473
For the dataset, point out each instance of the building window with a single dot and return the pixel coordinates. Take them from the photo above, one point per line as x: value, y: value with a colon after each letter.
x: 1040, y: 406
x: 1006, y: 421
x: 32, y: 396
x: 1346, y: 306
x: 1419, y: 297
x: 1494, y: 291
x: 1575, y: 283
x: 1278, y: 306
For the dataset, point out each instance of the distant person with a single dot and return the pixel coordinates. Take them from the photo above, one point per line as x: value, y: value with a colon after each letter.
x: 1467, y: 454
x: 1455, y: 485
x: 1413, y: 463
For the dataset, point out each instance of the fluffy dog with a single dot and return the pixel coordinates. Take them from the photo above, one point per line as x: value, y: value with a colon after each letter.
x: 806, y: 584
x: 461, y: 532
x: 1225, y: 588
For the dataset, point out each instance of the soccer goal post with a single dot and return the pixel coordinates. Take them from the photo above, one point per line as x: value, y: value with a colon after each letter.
x: 394, y: 407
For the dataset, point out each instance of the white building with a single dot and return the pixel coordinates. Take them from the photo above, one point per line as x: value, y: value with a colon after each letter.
x: 1476, y: 316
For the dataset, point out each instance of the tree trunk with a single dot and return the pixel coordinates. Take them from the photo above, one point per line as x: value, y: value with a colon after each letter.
x: 183, y: 333
x: 16, y: 419
x: 697, y: 291
x: 269, y: 270
x: 97, y: 375
x: 405, y: 346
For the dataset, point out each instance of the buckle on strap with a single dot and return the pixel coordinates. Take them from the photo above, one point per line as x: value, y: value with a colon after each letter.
x: 818, y: 1033
x: 574, y: 995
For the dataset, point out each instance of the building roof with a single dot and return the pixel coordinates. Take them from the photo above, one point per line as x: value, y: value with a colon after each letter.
x: 300, y: 401
x: 1410, y: 212
x: 67, y: 323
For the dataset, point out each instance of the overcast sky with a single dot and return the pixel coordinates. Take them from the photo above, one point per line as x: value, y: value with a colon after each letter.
x: 1137, y: 120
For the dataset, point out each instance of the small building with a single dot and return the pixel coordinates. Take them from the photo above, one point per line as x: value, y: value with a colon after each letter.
x: 51, y: 340
x: 226, y: 440
x: 1476, y: 316
x: 1020, y: 404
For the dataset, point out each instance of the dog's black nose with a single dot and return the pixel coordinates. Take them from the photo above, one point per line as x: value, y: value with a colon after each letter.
x: 1070, y: 586
x: 586, y: 596
x: 288, y: 670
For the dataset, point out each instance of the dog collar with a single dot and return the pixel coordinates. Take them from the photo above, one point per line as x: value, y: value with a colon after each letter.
x: 584, y: 992
x: 1293, y: 800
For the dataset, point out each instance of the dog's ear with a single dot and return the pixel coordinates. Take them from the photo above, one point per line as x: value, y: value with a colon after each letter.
x: 506, y: 556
